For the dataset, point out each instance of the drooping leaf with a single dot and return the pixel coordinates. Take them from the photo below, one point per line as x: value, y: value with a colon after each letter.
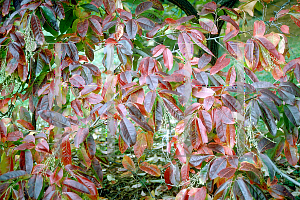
x: 220, y: 64
x: 37, y: 29
x: 55, y: 118
x: 150, y: 168
x: 72, y: 196
x: 267, y: 161
x: 241, y: 190
x: 227, y: 172
x: 140, y: 145
x: 128, y: 163
x: 66, y: 154
x: 35, y: 185
x: 218, y: 165
x: 208, y: 25
x: 12, y: 175
x: 82, y: 27
x: 279, y: 192
x: 196, y: 160
x: 168, y: 58
x: 143, y: 7
x: 265, y: 144
x: 131, y: 28
x: 74, y: 185
x: 97, y: 168
x: 128, y: 132
x: 81, y: 135
x: 293, y: 114
x: 174, y: 110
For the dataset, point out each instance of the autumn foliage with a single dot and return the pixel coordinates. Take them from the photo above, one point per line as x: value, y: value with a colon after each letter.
x: 54, y: 99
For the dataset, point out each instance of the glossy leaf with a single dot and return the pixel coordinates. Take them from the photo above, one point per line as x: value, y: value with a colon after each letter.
x: 55, y: 118
x: 218, y: 165
x: 128, y: 132
x: 143, y: 7
x: 74, y: 185
x: 37, y: 30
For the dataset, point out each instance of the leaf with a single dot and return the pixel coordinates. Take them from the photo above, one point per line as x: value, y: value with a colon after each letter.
x: 267, y: 161
x: 90, y: 7
x: 143, y: 7
x: 185, y: 45
x: 227, y: 172
x: 293, y: 114
x: 204, y: 60
x: 182, y: 195
x: 174, y: 110
x: 208, y: 25
x: 158, y: 50
x: 227, y: 18
x: 5, y: 7
x: 26, y: 124
x: 12, y: 175
x: 94, y: 69
x: 56, y: 176
x: 72, y: 196
x: 66, y: 154
x: 96, y: 26
x: 77, y: 80
x: 149, y: 100
x: 259, y: 28
x: 76, y: 105
x: 37, y: 29
x: 89, y: 184
x: 268, y: 119
x: 291, y: 153
x: 196, y: 160
x: 59, y: 9
x: 49, y: 15
x: 140, y: 145
x: 157, y: 5
x: 243, y: 190
x: 265, y: 144
x: 268, y: 45
x: 279, y: 192
x: 55, y: 119
x: 206, y: 119
x: 35, y: 185
x: 23, y: 72
x: 220, y: 64
x: 72, y: 51
x: 82, y: 27
x: 246, y: 166
x: 145, y: 23
x: 91, y: 146
x: 150, y: 168
x: 131, y: 28
x: 74, y: 185
x: 81, y: 135
x: 270, y: 104
x: 203, y: 93
x: 97, y: 168
x: 218, y: 165
x: 230, y: 35
x: 94, y: 98
x: 24, y: 146
x: 128, y: 132
x: 231, y: 103
x: 152, y: 81
x: 256, y: 192
x: 128, y: 163
x: 168, y: 58
x: 285, y: 29
x: 158, y: 115
x: 42, y: 146
x: 14, y: 136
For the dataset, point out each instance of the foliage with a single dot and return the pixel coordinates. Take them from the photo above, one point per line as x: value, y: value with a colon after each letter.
x: 154, y: 76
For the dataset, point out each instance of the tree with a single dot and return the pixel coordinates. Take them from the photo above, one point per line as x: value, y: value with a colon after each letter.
x: 224, y: 123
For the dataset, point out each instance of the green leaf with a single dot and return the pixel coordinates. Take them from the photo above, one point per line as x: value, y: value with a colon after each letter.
x: 67, y: 22
x: 48, y: 13
x: 90, y: 7
x: 267, y: 161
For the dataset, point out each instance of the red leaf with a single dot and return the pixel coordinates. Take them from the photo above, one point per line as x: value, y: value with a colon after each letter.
x: 66, y: 154
x: 231, y: 21
x: 76, y: 105
x: 82, y: 27
x: 56, y: 176
x: 95, y: 26
x: 220, y: 64
x: 291, y: 153
x: 290, y: 65
x: 55, y: 118
x: 152, y: 81
x: 42, y: 146
x: 14, y: 136
x: 168, y: 58
x: 202, y: 131
x: 158, y: 50
x: 268, y: 45
x: 218, y: 165
x: 173, y: 109
x: 279, y: 192
x: 81, y: 135
x: 149, y: 100
x: 208, y: 102
x: 24, y: 146
x: 122, y: 145
x: 259, y: 28
x: 94, y: 98
x: 185, y: 45
x: 94, y: 69
x: 89, y: 184
x: 204, y: 60
x: 157, y: 5
x: 37, y: 29
x: 192, y: 108
x: 230, y: 35
x: 208, y: 25
x: 201, y: 193
x: 228, y: 172
x: 203, y: 93
x: 174, y: 78
x: 74, y: 185
x: 131, y: 28
x: 22, y: 72
x: 98, y: 169
x: 285, y: 29
x: 150, y: 169
x: 182, y: 195
x: 72, y: 196
x: 77, y: 80
x: 26, y: 124
x: 143, y: 7
x: 5, y: 7
x: 128, y: 132
x: 87, y: 89
x: 128, y: 163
